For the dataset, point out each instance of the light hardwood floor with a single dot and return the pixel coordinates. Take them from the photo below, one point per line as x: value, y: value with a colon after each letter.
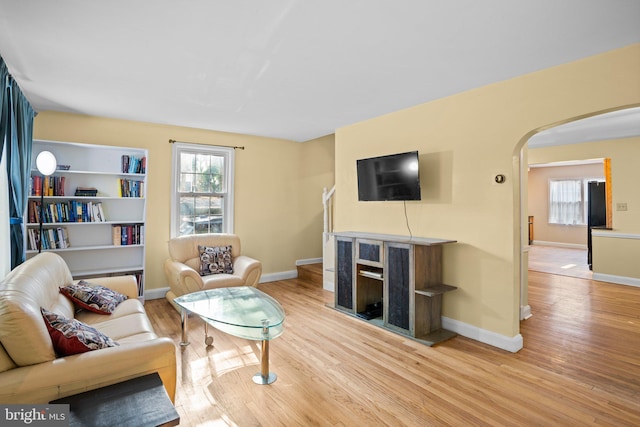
x: 580, y: 366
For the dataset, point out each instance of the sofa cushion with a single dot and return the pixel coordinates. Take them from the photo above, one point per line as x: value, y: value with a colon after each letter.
x: 215, y: 260
x: 29, y: 286
x: 120, y: 329
x: 70, y: 336
x: 221, y: 281
x: 124, y: 309
x: 22, y: 331
x: 93, y: 297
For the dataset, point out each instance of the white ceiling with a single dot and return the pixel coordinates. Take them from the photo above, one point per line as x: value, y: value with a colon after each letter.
x: 623, y: 123
x: 294, y: 69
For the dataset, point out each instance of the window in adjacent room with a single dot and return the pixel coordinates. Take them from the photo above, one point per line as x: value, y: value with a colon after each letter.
x: 202, y: 196
x: 568, y: 201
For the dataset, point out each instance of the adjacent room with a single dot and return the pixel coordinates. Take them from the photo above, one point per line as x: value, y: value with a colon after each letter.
x: 294, y: 213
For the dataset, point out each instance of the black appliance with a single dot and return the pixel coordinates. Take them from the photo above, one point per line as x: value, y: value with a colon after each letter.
x: 596, y: 212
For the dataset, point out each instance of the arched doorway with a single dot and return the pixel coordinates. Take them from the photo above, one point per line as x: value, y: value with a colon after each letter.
x: 616, y: 123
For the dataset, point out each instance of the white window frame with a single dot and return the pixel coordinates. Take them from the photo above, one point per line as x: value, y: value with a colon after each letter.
x: 228, y: 153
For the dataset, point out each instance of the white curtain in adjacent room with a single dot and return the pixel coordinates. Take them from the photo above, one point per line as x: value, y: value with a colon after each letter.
x: 5, y: 240
x: 565, y: 202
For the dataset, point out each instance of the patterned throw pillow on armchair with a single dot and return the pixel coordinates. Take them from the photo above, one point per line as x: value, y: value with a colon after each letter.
x: 215, y: 260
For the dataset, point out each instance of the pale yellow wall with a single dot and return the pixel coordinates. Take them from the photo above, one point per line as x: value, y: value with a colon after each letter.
x: 463, y: 141
x: 617, y: 256
x: 274, y: 180
x: 625, y: 173
x: 539, y: 202
x: 315, y: 172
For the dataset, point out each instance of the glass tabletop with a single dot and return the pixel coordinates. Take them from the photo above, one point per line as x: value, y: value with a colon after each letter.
x: 244, y: 311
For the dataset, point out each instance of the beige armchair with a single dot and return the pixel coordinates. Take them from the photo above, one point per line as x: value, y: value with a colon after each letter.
x: 182, y: 269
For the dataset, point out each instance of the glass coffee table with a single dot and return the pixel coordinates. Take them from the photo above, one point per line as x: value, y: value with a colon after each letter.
x: 244, y: 312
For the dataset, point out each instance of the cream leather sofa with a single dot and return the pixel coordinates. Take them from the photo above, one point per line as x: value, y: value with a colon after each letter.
x: 30, y: 372
x: 182, y: 269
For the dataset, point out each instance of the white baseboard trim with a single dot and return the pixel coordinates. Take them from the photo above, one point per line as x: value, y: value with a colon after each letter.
x: 512, y: 344
x: 525, y: 312
x: 309, y: 261
x: 157, y: 293
x: 282, y: 275
x: 619, y: 280
x: 559, y: 244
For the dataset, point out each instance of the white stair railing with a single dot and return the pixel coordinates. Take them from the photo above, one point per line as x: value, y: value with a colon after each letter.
x: 327, y: 203
x: 328, y: 250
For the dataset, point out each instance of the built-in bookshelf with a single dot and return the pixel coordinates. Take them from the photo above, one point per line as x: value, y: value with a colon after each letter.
x: 93, y: 209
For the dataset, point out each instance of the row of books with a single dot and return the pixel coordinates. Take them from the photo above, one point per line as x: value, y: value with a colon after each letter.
x: 52, y: 238
x: 131, y: 188
x: 86, y: 191
x: 58, y: 237
x: 128, y: 234
x: 53, y: 185
x: 139, y: 280
x: 134, y: 164
x: 69, y: 211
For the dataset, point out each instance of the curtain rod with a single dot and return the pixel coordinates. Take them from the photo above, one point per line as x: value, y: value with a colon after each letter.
x: 235, y: 147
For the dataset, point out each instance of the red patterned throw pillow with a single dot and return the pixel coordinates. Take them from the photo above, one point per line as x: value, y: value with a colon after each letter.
x: 215, y: 260
x: 94, y: 298
x: 70, y: 336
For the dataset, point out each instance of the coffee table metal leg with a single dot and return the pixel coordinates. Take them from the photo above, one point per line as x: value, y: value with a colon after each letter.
x: 208, y: 340
x: 184, y: 315
x: 264, y: 376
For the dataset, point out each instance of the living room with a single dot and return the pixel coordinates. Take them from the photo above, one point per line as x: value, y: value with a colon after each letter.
x: 464, y: 141
x: 304, y: 169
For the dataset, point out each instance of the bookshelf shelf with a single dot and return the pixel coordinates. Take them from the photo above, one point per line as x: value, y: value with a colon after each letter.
x: 87, y: 246
x: 87, y: 172
x: 85, y: 198
x: 108, y: 271
x: 59, y: 224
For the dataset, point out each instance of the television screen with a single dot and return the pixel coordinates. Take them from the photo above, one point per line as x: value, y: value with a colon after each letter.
x: 392, y: 177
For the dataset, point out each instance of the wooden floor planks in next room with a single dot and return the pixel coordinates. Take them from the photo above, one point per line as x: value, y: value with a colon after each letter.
x: 580, y: 366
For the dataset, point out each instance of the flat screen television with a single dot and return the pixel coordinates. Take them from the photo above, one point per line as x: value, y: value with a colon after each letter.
x: 391, y: 177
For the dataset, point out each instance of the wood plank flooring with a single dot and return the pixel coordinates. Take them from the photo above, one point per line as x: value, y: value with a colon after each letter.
x: 580, y: 366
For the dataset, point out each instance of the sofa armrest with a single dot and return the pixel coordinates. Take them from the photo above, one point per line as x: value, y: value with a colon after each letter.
x: 127, y: 285
x: 248, y: 268
x: 182, y: 278
x: 66, y: 376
